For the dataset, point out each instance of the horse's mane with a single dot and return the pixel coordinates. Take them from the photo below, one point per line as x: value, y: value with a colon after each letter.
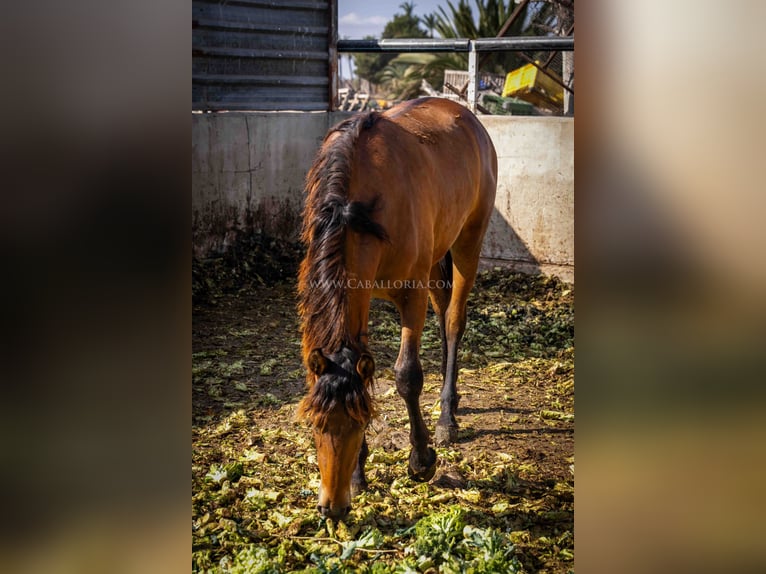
x: 328, y: 213
x: 342, y: 390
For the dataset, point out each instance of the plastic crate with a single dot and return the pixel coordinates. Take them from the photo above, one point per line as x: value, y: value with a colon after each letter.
x: 497, y: 105
x: 531, y: 85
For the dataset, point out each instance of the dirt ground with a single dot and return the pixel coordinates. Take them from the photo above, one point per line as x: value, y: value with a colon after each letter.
x: 254, y: 467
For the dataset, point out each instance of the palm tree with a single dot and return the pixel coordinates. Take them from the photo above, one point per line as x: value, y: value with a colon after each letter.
x: 458, y: 22
x: 369, y: 66
x: 408, y: 7
x: 404, y: 73
x: 429, y: 21
x: 401, y: 78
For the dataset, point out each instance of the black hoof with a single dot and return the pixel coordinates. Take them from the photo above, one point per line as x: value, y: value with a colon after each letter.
x: 425, y: 472
x: 445, y: 435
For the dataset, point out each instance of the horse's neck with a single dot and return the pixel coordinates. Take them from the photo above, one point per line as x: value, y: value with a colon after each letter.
x: 361, y: 260
x: 358, y: 311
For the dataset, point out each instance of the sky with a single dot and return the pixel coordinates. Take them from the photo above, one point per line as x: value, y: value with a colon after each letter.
x: 360, y: 18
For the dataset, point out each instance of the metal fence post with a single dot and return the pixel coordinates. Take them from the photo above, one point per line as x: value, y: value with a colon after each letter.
x: 473, y: 76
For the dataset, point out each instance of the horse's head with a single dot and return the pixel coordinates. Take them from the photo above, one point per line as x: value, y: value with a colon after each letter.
x: 339, y: 406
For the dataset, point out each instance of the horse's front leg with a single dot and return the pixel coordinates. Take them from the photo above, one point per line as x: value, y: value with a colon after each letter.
x: 412, y: 306
x: 358, y: 479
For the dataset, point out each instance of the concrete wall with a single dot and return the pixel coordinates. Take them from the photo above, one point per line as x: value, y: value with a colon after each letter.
x: 532, y: 228
x: 247, y: 174
x: 248, y: 170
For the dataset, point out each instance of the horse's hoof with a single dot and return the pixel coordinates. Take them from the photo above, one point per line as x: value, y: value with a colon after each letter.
x: 445, y: 435
x: 426, y: 472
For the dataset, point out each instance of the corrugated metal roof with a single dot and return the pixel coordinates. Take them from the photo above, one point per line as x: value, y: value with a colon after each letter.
x: 262, y: 55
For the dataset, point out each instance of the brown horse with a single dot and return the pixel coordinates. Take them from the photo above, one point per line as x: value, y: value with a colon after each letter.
x: 397, y: 205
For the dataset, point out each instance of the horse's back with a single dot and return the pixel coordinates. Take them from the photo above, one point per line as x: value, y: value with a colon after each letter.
x: 434, y: 168
x: 437, y: 120
x: 445, y: 136
x: 444, y: 164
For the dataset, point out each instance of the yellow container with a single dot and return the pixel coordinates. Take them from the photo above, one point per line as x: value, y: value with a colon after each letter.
x: 530, y: 84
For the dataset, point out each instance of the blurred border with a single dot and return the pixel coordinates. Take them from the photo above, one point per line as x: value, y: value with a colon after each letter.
x: 96, y: 287
x: 670, y: 317
x: 96, y: 290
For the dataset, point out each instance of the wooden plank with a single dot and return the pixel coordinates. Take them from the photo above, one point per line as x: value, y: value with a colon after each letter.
x: 256, y: 80
x: 204, y: 97
x: 256, y: 93
x: 255, y: 67
x: 260, y: 41
x: 210, y: 24
x: 263, y: 106
x: 258, y: 15
x: 258, y: 54
x: 280, y: 4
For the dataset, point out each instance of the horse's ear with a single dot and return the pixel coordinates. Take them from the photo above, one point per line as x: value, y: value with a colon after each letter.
x: 365, y: 366
x: 317, y: 362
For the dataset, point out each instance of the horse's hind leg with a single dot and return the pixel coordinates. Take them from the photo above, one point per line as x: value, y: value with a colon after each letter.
x: 465, y: 257
x: 412, y: 306
x: 440, y: 290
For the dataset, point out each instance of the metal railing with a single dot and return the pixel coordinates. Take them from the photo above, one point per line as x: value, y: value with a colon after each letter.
x: 473, y: 47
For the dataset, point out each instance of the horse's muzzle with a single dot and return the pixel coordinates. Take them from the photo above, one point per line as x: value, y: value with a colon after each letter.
x: 333, y: 512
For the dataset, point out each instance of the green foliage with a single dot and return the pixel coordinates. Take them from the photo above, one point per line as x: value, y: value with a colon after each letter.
x: 443, y: 543
x: 459, y: 21
x: 255, y: 474
x: 369, y: 65
x: 403, y: 76
x: 407, y: 25
x: 444, y: 540
x: 218, y: 473
x: 438, y: 534
x: 488, y: 551
x: 252, y: 560
x: 400, y: 76
x: 372, y: 538
x: 429, y: 21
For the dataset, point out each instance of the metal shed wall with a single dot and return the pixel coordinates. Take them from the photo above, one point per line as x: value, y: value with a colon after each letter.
x: 263, y: 55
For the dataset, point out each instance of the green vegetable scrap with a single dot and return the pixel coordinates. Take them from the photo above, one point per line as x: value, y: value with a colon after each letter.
x: 502, y: 500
